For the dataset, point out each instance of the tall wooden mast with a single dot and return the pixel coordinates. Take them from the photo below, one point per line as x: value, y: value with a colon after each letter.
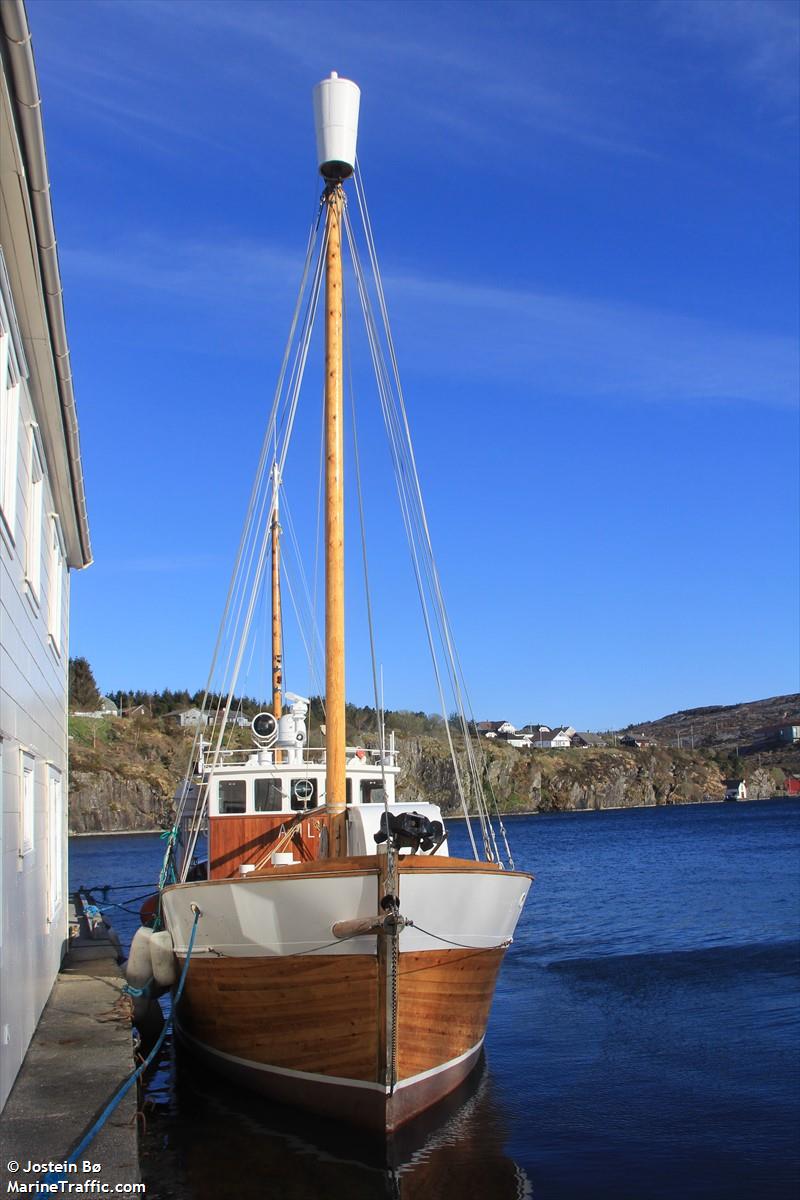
x: 277, y: 622
x: 336, y: 103
x: 335, y: 734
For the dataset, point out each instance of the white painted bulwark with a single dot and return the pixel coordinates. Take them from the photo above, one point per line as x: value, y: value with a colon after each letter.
x: 43, y: 532
x: 285, y: 913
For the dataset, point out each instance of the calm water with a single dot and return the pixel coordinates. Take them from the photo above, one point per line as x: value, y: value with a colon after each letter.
x: 644, y: 1040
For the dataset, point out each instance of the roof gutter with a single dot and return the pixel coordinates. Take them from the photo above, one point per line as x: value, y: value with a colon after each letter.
x: 29, y: 119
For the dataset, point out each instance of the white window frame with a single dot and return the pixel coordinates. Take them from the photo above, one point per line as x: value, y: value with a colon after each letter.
x: 55, y: 843
x: 9, y: 433
x: 33, y: 541
x: 27, y: 802
x: 55, y: 622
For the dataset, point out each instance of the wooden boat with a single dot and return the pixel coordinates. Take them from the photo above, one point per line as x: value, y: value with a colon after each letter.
x: 343, y: 960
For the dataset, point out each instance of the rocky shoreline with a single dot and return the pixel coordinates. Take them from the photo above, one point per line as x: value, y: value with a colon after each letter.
x: 125, y: 782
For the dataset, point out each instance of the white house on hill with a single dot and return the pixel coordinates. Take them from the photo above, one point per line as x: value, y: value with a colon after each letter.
x: 188, y: 718
x: 43, y: 533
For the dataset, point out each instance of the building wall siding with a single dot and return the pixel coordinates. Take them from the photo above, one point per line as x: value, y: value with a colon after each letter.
x: 33, y: 708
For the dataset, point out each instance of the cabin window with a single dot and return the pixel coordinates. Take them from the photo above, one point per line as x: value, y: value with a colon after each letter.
x: 372, y: 792
x: 268, y: 795
x: 304, y: 793
x: 232, y: 796
x: 348, y: 791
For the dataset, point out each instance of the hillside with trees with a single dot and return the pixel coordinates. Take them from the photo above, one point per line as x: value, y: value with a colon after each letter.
x: 124, y: 770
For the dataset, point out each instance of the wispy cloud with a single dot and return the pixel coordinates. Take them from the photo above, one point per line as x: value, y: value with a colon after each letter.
x: 760, y: 40
x: 557, y: 344
x: 601, y: 350
x: 419, y: 66
x: 195, y: 271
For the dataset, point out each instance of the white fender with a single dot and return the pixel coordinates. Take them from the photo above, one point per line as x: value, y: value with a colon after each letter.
x: 147, y: 1014
x: 138, y: 968
x: 162, y: 957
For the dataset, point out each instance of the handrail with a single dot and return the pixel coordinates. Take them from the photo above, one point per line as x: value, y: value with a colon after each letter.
x: 310, y: 755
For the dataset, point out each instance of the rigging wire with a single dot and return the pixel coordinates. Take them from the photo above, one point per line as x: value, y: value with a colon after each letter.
x: 400, y: 438
x: 246, y: 581
x: 363, y: 526
x: 456, y: 672
x: 315, y: 252
x: 404, y: 499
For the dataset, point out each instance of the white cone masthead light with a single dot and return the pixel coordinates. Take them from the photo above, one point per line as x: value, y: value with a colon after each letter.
x: 336, y: 119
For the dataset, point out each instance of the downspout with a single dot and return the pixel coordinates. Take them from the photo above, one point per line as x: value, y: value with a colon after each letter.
x: 26, y: 93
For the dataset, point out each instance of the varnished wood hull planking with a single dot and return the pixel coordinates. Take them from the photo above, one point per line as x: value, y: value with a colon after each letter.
x: 310, y: 1031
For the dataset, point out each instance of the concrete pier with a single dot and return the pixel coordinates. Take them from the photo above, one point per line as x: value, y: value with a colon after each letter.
x: 80, y: 1054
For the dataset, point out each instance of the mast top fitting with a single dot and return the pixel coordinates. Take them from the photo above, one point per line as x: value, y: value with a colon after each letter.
x: 336, y: 103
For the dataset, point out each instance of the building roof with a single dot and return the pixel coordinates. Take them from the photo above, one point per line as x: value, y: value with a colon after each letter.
x: 48, y: 355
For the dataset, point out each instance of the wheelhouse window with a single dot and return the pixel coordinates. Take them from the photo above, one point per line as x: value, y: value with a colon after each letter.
x: 303, y: 793
x: 372, y: 792
x: 268, y: 795
x: 232, y: 796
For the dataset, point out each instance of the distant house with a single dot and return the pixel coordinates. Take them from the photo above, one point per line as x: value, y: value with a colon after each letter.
x: 239, y: 719
x: 188, y: 718
x: 136, y: 710
x: 789, y: 733
x: 635, y: 739
x: 534, y: 730
x: 106, y: 708
x: 554, y: 739
x: 735, y: 789
x: 493, y: 729
x: 584, y: 740
x: 561, y: 738
x: 792, y: 787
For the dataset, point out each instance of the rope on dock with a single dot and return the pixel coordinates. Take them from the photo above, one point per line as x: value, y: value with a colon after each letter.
x: 91, y: 1133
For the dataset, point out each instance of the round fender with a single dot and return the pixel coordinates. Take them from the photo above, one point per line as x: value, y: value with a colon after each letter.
x: 139, y: 968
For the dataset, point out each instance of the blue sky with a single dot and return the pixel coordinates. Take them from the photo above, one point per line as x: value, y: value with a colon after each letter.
x: 586, y: 217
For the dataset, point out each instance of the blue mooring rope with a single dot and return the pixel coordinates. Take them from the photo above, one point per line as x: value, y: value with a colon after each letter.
x: 55, y: 1176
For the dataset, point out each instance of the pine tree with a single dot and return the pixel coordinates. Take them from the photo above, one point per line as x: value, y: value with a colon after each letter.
x: 83, y: 691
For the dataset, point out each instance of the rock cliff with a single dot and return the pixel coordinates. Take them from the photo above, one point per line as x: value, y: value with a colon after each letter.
x: 564, y: 780
x: 123, y: 775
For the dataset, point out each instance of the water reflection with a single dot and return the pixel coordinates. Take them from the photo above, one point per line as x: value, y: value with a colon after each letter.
x: 207, y: 1140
